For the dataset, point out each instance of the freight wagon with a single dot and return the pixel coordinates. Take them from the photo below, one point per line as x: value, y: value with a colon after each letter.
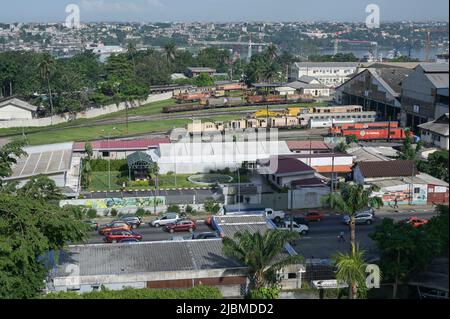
x: 377, y: 134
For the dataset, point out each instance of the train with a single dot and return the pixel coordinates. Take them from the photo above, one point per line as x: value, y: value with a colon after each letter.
x: 306, y: 118
x: 374, y: 134
x: 215, y: 100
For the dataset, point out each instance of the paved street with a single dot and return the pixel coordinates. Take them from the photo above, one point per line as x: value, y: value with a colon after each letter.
x: 152, y: 234
x: 321, y: 242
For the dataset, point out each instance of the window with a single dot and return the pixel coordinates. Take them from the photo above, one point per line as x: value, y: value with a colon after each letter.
x: 292, y: 275
x: 105, y: 154
x: 417, y: 190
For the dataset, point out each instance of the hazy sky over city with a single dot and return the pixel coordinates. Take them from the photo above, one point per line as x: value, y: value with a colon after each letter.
x: 221, y: 10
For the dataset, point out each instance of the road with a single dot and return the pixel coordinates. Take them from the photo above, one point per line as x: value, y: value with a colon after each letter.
x: 151, y: 233
x: 320, y: 243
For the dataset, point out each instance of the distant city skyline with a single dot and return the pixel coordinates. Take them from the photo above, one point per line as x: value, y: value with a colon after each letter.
x: 217, y: 11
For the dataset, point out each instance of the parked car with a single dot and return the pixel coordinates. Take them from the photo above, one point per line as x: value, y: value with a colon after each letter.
x: 368, y: 210
x: 114, y: 226
x: 361, y: 218
x: 165, y: 219
x: 209, y: 235
x: 417, y: 222
x: 298, y: 219
x: 299, y: 228
x: 94, y: 225
x: 313, y: 216
x: 181, y: 225
x: 118, y: 236
x: 134, y: 221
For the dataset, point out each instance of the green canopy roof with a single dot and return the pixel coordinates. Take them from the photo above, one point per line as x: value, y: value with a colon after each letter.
x: 139, y: 160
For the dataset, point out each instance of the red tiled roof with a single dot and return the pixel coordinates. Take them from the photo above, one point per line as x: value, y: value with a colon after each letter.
x: 141, y: 144
x: 292, y: 165
x: 306, y: 145
x: 396, y: 168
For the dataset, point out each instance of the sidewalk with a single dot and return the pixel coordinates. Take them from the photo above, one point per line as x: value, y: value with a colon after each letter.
x: 385, y: 210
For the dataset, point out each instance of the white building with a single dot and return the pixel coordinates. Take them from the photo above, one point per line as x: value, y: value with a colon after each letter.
x: 435, y: 133
x: 54, y: 161
x: 192, y: 158
x: 331, y: 74
x: 15, y: 109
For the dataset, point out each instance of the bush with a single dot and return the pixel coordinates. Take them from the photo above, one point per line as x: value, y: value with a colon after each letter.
x: 190, y: 210
x: 174, y: 209
x: 264, y: 293
x: 211, y: 207
x: 101, y: 165
x: 121, y: 181
x: 114, y: 212
x: 140, y: 212
x: 91, y: 213
x: 139, y: 183
x: 198, y: 292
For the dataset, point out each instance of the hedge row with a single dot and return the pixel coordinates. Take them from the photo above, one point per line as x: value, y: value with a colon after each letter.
x: 198, y: 292
x: 101, y: 165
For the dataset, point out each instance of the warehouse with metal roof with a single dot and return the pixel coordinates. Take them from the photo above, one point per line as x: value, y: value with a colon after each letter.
x: 53, y: 161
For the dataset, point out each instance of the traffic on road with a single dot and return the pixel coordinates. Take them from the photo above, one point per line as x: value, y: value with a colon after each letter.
x: 322, y: 235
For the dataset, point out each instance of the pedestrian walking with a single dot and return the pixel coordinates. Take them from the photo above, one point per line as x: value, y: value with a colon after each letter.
x: 395, y: 202
x: 341, y: 237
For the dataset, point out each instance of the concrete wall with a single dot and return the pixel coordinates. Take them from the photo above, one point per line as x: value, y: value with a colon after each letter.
x: 432, y: 139
x: 307, y: 197
x: 11, y: 112
x: 328, y: 161
x: 91, y: 113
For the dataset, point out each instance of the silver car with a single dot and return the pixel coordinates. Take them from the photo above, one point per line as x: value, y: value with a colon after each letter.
x: 361, y: 218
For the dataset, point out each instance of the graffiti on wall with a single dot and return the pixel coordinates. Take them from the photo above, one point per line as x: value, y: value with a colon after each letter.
x: 117, y: 203
x: 404, y: 197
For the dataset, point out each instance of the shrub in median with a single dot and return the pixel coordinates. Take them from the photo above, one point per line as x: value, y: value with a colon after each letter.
x: 91, y: 213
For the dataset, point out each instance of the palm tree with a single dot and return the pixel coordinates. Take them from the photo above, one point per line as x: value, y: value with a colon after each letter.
x: 46, y: 67
x: 351, y: 269
x: 271, y: 52
x: 261, y: 254
x: 271, y: 72
x: 132, y: 51
x: 351, y: 199
x: 170, y: 50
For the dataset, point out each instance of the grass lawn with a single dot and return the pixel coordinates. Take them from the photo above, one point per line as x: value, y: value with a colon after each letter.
x: 100, y: 181
x: 63, y: 133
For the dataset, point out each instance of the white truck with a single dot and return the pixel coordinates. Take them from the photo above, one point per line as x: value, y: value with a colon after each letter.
x: 275, y: 215
x: 301, y: 229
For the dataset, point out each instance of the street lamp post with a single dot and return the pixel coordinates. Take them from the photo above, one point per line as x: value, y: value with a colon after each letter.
x: 108, y: 137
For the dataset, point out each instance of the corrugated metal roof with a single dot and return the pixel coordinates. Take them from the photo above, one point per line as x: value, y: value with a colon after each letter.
x: 107, y: 259
x: 439, y: 80
x: 435, y: 67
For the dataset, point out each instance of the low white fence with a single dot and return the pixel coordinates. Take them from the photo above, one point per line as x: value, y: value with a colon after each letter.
x: 91, y: 113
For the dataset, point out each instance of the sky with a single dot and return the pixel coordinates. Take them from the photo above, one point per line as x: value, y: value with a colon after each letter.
x: 222, y: 10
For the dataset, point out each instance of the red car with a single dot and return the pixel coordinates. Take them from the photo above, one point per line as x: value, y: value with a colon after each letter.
x: 417, y: 222
x: 118, y: 236
x: 181, y: 225
x: 313, y: 216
